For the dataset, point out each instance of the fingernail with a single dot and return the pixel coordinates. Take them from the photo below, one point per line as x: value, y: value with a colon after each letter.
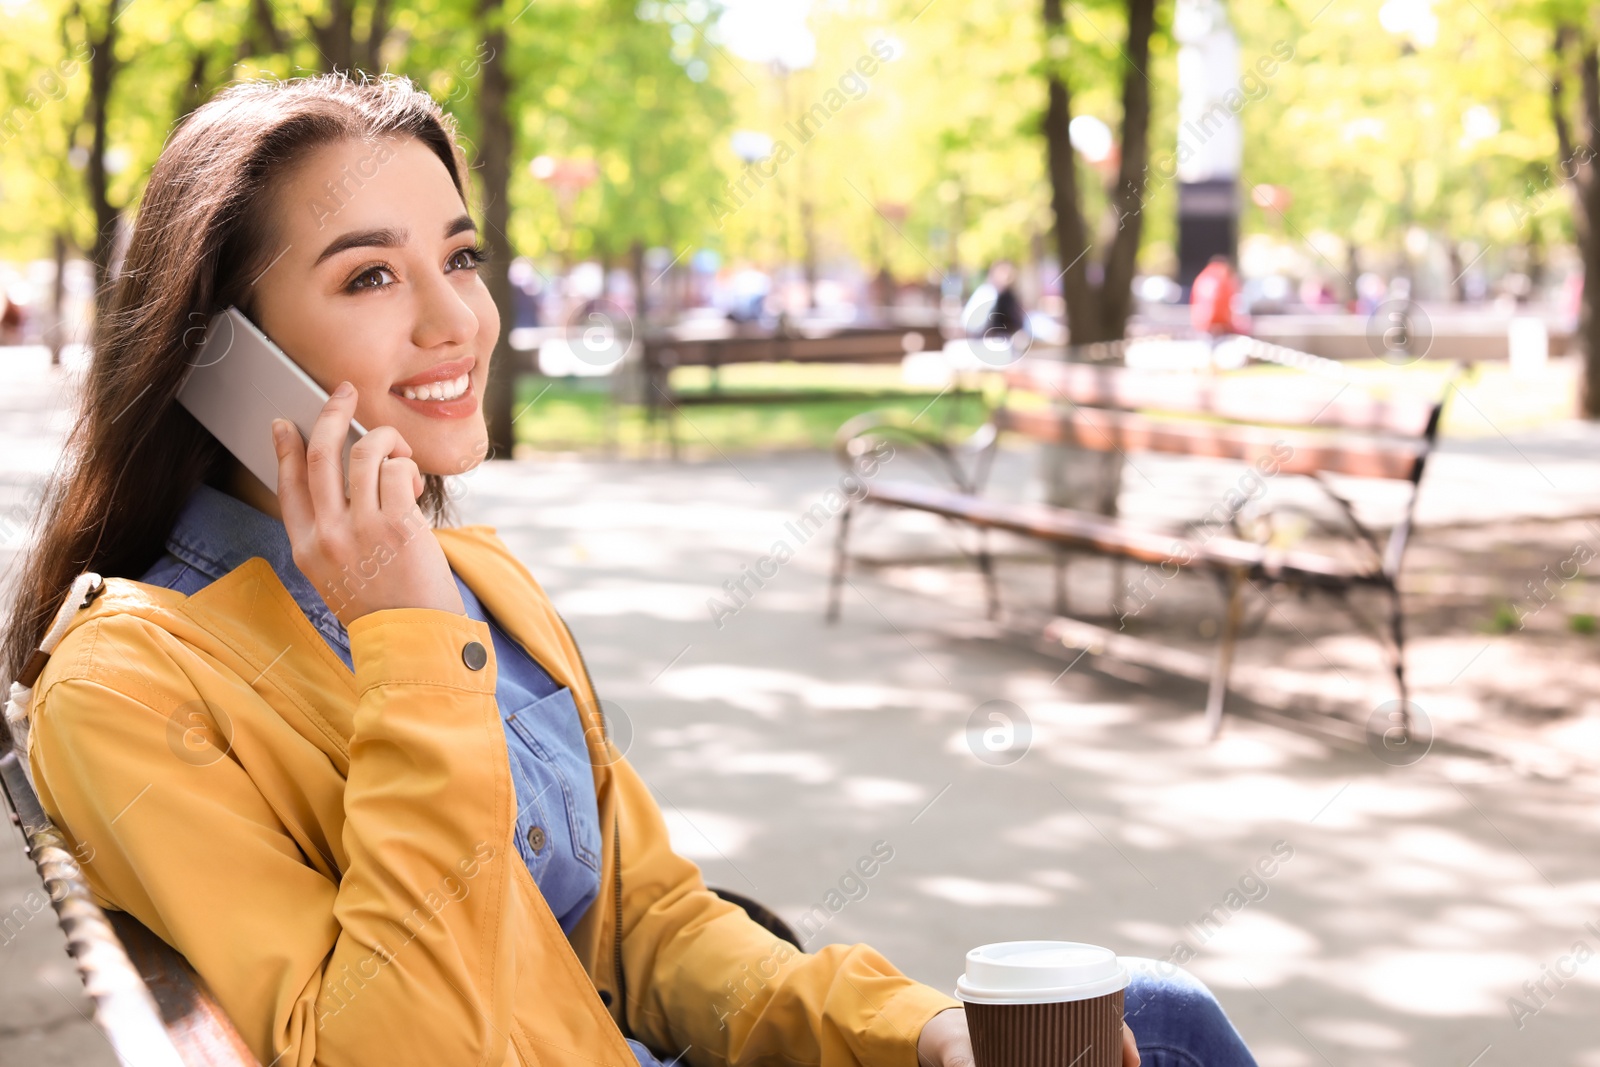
x: 344, y: 390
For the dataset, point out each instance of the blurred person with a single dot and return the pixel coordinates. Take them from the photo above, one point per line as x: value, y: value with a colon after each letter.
x: 1517, y: 288
x: 1371, y: 290
x: 1406, y: 314
x: 882, y: 288
x: 378, y: 808
x: 747, y: 294
x: 526, y: 291
x: 994, y: 315
x: 1316, y: 292
x: 1006, y: 315
x: 13, y: 317
x: 1211, y: 299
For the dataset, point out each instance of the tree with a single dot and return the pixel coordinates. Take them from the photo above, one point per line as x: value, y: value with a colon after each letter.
x: 1099, y: 312
x: 103, y: 70
x: 1573, y: 45
x: 495, y: 147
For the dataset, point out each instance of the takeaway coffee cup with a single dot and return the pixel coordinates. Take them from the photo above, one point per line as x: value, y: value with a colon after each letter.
x: 1044, y: 1004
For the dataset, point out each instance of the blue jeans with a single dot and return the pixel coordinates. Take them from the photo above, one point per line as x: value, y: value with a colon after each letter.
x: 1175, y: 1020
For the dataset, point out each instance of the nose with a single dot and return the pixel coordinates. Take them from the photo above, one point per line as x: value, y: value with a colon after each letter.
x: 443, y: 317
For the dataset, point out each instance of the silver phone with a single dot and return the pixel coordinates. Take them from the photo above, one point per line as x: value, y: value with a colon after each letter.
x: 239, y: 381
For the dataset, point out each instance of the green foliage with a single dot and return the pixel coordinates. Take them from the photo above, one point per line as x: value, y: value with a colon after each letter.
x: 1369, y: 128
x: 939, y: 163
x: 1505, y: 619
x: 589, y: 79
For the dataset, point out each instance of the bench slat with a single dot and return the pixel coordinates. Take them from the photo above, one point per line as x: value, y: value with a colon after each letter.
x: 202, y: 1033
x: 1102, y: 430
x: 1276, y: 399
x: 793, y: 396
x: 1085, y: 530
x: 874, y: 346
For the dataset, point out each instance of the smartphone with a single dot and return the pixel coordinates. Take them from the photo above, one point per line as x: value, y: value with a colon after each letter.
x: 239, y: 381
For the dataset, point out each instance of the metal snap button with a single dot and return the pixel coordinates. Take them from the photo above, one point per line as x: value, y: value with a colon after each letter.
x: 474, y: 655
x: 536, y: 839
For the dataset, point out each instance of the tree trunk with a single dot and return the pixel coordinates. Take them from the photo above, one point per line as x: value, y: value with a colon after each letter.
x: 102, y: 74
x: 370, y: 55
x: 55, y: 333
x: 1099, y: 312
x: 264, y: 35
x: 808, y: 234
x: 494, y: 168
x: 1072, y: 242
x: 641, y: 302
x: 335, y: 39
x: 196, y: 87
x: 1122, y: 259
x: 1586, y: 196
x: 1074, y: 477
x: 1589, y: 309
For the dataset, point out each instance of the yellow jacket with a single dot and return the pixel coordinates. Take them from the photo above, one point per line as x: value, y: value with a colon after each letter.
x: 344, y: 878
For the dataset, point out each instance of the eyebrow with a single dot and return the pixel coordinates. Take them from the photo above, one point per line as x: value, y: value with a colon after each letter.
x: 387, y: 237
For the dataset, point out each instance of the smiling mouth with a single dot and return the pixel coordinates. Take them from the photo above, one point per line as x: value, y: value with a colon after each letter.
x: 443, y: 381
x: 448, y: 389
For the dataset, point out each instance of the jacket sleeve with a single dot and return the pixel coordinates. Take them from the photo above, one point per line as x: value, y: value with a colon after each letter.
x: 396, y: 962
x: 706, y: 980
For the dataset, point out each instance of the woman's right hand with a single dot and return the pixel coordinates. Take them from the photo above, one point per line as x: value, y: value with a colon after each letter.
x: 375, y: 550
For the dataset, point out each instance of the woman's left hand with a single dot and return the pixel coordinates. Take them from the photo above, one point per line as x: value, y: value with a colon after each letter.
x: 945, y: 1042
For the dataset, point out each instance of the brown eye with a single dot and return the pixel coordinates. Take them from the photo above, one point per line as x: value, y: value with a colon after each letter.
x: 371, y: 272
x: 469, y: 258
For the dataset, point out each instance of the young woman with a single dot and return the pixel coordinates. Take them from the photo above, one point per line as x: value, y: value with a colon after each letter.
x: 343, y: 755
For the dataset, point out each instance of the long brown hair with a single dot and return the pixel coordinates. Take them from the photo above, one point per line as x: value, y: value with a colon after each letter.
x: 202, y: 236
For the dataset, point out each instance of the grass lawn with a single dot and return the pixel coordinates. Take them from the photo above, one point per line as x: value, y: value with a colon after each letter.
x: 578, y: 415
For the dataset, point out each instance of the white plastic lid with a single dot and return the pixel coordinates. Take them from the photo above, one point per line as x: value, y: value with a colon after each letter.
x: 1039, y: 972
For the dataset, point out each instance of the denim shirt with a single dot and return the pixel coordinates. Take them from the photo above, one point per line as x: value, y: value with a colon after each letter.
x: 558, y: 820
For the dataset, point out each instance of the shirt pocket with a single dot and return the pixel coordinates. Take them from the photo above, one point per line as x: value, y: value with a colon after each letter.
x: 536, y: 788
x: 552, y: 730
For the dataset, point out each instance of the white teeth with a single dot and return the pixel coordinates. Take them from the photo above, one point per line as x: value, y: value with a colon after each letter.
x: 437, y: 390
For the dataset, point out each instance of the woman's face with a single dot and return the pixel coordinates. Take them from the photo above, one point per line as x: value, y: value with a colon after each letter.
x: 376, y: 282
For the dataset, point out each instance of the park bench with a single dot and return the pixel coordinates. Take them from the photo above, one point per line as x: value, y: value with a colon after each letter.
x: 1302, y: 423
x: 665, y: 351
x: 152, y: 1007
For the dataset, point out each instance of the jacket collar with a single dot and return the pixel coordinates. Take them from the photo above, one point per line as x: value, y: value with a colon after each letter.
x: 249, y: 617
x: 216, y: 533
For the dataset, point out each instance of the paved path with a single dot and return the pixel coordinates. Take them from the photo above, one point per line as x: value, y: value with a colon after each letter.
x: 1406, y: 904
x: 1417, y: 899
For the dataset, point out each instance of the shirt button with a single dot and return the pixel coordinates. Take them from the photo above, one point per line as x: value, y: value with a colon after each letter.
x: 536, y: 839
x: 474, y: 655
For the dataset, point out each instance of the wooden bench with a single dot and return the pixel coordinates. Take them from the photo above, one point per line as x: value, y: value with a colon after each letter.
x: 148, y: 1002
x: 1298, y: 423
x: 664, y: 352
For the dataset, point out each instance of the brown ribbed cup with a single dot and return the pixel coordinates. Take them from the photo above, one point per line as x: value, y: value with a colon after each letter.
x: 1073, y: 1033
